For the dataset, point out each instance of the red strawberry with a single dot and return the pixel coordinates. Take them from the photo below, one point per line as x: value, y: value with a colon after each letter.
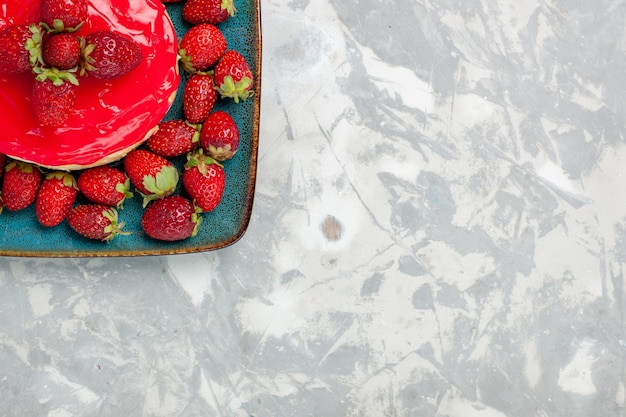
x: 14, y: 54
x: 153, y: 176
x: 201, y: 47
x: 204, y: 180
x: 174, y: 138
x: 62, y: 51
x: 208, y: 11
x: 55, y: 198
x: 63, y: 15
x: 171, y: 218
x: 105, y: 185
x: 20, y: 185
x: 95, y: 221
x: 53, y: 101
x: 219, y: 135
x: 109, y: 55
x: 232, y: 76
x: 199, y: 97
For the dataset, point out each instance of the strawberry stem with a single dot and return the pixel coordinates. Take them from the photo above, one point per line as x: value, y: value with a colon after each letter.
x: 229, y: 5
x: 57, y: 76
x: 34, y: 46
x: 160, y: 185
x: 196, y: 218
x: 239, y: 90
x: 115, y: 227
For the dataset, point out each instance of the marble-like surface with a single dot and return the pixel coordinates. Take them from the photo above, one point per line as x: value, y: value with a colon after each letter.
x: 439, y: 230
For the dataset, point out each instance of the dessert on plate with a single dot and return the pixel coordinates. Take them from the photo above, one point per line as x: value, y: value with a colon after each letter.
x: 110, y: 117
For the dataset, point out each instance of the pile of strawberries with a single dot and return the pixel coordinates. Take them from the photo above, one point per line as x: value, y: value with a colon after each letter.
x: 204, y: 138
x: 57, y: 57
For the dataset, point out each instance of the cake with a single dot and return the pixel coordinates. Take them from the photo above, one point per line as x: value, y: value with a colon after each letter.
x: 110, y: 117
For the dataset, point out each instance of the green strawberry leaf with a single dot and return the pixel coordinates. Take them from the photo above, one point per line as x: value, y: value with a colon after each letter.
x: 67, y: 178
x: 196, y: 218
x: 124, y: 189
x: 236, y: 91
x: 186, y: 61
x: 115, y: 226
x: 167, y: 178
x: 228, y: 5
x: 34, y: 46
x: 160, y: 185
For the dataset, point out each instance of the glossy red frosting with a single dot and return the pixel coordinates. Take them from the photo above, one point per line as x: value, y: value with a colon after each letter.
x: 111, y: 117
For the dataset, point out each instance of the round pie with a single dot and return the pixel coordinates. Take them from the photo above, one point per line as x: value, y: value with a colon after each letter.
x: 110, y: 117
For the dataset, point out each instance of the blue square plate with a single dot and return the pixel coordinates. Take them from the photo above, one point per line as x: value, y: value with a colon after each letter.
x: 22, y: 235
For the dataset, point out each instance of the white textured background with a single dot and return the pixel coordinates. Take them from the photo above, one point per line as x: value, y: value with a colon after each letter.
x: 439, y: 230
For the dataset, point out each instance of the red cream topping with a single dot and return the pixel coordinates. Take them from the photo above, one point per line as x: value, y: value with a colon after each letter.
x: 110, y: 116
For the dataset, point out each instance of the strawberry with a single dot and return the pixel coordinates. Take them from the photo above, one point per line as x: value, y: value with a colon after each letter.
x: 62, y: 51
x: 56, y: 196
x: 174, y: 138
x: 208, y: 11
x: 154, y: 176
x: 201, y: 47
x: 204, y: 180
x: 219, y: 135
x: 105, y: 185
x: 95, y: 221
x: 110, y: 55
x: 14, y: 55
x: 63, y: 15
x: 199, y: 97
x: 53, y: 101
x: 171, y: 218
x: 20, y: 185
x: 232, y: 76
